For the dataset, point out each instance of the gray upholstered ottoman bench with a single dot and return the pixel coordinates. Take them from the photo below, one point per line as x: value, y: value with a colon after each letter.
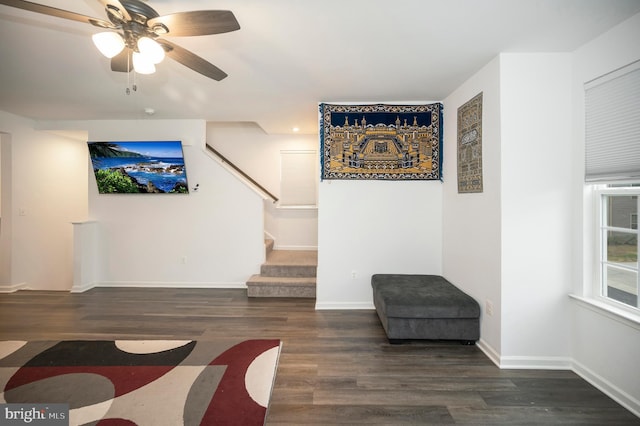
x: 424, y: 307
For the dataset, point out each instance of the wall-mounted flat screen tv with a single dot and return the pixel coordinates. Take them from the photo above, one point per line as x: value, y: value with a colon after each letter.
x: 144, y: 167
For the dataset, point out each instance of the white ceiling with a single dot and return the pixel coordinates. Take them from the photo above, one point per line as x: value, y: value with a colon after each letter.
x: 288, y: 56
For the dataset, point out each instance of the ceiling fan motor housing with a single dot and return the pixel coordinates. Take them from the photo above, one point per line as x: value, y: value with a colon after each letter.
x: 136, y: 27
x: 140, y: 12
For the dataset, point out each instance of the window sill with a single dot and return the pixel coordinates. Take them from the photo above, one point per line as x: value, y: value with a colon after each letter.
x: 627, y: 318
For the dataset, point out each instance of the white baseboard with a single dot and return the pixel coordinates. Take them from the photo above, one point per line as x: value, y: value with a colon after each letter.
x: 524, y: 362
x: 489, y: 351
x: 82, y: 288
x: 563, y: 363
x: 343, y: 306
x: 621, y: 397
x: 535, y: 363
x: 161, y: 284
x: 11, y: 288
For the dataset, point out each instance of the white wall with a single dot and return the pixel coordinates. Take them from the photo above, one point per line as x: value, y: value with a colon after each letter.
x: 211, y: 237
x: 1, y: 136
x: 292, y: 228
x: 511, y: 244
x: 471, y: 222
x: 6, y: 212
x: 259, y: 155
x: 529, y: 252
x: 372, y: 227
x: 604, y: 346
x: 47, y: 191
x: 536, y: 208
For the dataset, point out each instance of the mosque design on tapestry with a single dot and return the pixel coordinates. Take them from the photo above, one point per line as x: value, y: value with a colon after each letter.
x: 373, y: 145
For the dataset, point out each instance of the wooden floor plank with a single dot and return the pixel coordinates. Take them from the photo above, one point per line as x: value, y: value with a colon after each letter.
x: 359, y: 415
x: 336, y: 367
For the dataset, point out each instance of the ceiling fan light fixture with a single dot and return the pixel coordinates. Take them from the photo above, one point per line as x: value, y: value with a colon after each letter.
x: 108, y: 43
x: 151, y: 50
x: 142, y: 65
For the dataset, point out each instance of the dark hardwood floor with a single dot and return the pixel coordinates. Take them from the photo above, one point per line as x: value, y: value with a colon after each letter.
x: 336, y: 367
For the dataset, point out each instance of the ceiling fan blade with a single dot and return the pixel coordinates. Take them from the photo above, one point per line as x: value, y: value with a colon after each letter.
x: 122, y: 61
x: 58, y: 13
x: 192, y: 60
x: 197, y: 23
x: 116, y: 9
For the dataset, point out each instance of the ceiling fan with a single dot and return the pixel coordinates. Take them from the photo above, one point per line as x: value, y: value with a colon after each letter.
x: 134, y: 31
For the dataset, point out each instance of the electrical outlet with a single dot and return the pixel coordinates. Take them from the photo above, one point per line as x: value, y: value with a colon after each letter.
x: 354, y: 275
x: 183, y: 260
x: 488, y: 307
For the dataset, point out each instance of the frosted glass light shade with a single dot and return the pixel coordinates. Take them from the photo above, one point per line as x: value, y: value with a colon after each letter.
x: 151, y: 49
x: 142, y: 65
x: 108, y: 43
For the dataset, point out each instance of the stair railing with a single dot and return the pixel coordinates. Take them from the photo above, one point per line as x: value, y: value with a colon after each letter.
x: 241, y: 172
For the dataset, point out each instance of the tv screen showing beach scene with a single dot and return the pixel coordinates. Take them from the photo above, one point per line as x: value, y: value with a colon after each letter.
x: 148, y: 167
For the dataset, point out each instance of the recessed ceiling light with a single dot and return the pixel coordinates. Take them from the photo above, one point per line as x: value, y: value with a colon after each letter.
x: 296, y: 129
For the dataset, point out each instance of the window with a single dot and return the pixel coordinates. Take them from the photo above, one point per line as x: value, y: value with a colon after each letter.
x: 612, y: 165
x: 618, y: 238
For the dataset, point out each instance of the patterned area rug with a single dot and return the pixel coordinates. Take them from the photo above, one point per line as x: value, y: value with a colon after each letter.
x: 143, y: 382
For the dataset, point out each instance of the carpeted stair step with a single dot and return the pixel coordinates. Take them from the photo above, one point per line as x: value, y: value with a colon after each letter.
x: 290, y: 270
x: 290, y: 263
x: 259, y: 286
x: 285, y: 273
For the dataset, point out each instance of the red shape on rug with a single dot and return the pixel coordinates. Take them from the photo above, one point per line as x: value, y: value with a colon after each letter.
x: 124, y: 378
x: 115, y: 422
x: 231, y: 403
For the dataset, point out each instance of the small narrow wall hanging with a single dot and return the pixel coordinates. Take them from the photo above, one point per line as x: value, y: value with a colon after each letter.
x: 381, y: 142
x: 470, y: 146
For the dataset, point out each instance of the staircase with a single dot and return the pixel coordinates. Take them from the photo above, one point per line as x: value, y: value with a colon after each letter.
x: 285, y: 273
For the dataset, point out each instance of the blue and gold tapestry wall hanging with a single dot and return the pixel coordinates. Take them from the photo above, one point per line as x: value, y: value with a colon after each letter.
x: 380, y: 141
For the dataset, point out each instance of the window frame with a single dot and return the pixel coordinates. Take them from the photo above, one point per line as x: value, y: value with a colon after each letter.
x: 600, y: 256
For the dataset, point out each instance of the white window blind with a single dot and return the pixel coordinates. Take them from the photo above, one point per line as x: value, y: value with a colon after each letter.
x: 298, y: 177
x: 612, y: 126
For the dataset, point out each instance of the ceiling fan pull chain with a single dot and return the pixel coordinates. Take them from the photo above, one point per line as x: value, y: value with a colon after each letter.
x: 135, y: 86
x: 128, y: 91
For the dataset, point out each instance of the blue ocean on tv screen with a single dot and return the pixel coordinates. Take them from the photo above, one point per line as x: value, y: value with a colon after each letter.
x: 146, y: 169
x: 164, y: 170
